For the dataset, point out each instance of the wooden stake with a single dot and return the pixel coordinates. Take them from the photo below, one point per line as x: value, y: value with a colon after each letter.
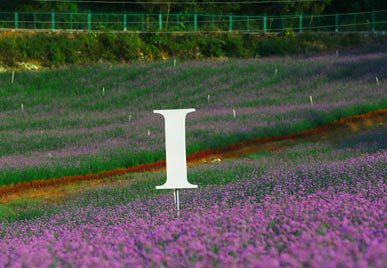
x: 13, y: 76
x: 22, y: 107
x: 233, y: 111
x: 311, y: 100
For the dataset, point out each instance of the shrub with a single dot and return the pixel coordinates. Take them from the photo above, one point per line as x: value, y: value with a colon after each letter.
x: 70, y: 48
x: 212, y: 45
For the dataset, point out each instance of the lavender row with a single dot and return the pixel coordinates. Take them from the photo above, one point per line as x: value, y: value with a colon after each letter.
x: 320, y: 214
x: 66, y: 117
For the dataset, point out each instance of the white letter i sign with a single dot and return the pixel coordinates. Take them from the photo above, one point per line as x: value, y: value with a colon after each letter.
x: 175, y: 149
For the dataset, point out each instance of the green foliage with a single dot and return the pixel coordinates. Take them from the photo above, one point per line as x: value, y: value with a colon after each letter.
x: 256, y: 8
x: 130, y: 46
x: 279, y: 46
x: 53, y: 49
x: 234, y: 46
x: 9, y: 50
x: 212, y: 46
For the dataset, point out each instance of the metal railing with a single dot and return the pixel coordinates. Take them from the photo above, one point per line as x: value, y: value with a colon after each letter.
x: 374, y: 21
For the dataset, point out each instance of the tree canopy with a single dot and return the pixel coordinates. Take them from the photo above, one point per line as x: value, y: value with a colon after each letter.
x: 200, y: 6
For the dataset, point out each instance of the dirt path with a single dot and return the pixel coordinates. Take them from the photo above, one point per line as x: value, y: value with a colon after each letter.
x: 47, y: 189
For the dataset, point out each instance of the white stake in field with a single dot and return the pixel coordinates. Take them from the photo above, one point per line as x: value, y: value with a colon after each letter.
x: 233, y: 112
x: 13, y: 77
x: 311, y: 100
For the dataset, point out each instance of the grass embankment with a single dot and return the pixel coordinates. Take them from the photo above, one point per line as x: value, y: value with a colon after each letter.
x: 58, y: 48
x: 69, y: 127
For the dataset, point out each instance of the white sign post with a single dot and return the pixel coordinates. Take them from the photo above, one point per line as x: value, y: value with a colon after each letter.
x: 175, y: 152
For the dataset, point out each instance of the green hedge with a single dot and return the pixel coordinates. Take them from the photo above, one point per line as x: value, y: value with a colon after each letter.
x: 54, y: 49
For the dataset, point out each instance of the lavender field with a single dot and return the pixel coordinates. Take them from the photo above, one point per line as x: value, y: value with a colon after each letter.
x: 81, y: 120
x: 315, y: 204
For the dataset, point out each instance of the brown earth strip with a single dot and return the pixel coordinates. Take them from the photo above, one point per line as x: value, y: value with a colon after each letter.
x: 337, y: 128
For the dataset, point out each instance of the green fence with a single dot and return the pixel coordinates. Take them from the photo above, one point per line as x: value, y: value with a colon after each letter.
x: 375, y: 21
